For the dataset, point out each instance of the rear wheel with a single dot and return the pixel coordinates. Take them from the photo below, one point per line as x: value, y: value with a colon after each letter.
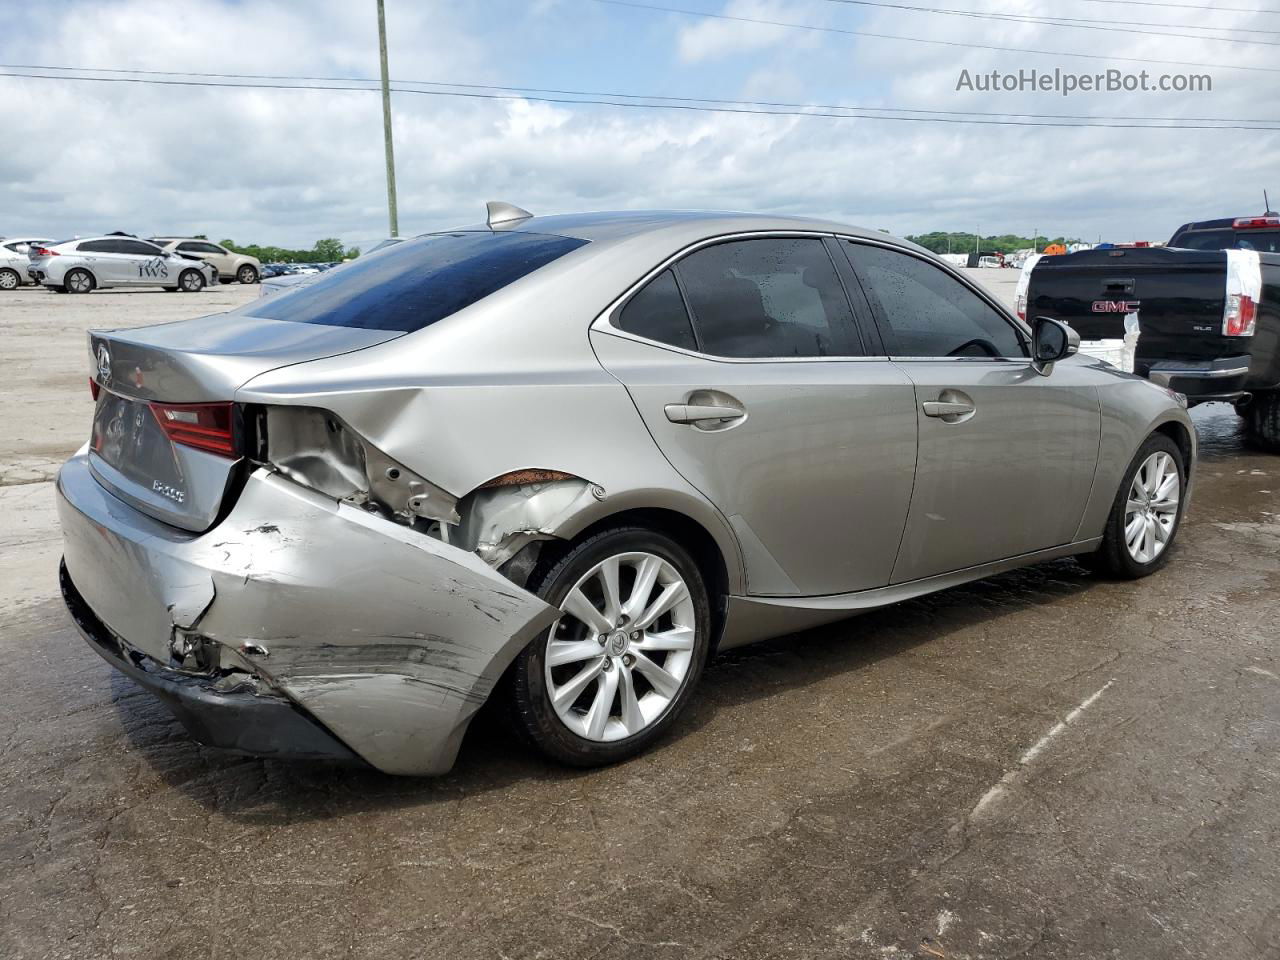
x: 246, y: 274
x: 78, y: 281
x: 9, y: 279
x: 618, y: 668
x: 1262, y: 421
x: 1146, y: 514
x: 190, y: 281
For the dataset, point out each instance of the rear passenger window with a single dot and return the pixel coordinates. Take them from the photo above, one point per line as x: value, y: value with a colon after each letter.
x: 770, y: 297
x: 928, y: 312
x: 96, y: 246
x: 139, y: 248
x: 657, y: 312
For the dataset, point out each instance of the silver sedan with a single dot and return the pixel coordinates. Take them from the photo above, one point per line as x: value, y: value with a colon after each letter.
x: 560, y: 461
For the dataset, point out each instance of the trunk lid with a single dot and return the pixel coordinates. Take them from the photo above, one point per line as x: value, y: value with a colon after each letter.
x: 192, y: 362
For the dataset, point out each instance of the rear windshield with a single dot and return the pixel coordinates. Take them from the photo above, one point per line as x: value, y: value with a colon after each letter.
x: 413, y: 284
x: 1264, y: 241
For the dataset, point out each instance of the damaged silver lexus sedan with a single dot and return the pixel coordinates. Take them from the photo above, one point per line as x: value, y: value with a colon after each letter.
x: 561, y: 460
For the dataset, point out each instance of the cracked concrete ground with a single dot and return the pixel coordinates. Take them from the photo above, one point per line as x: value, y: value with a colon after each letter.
x: 823, y: 799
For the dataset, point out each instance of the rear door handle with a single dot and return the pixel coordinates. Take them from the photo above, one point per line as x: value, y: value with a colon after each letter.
x: 701, y: 412
x: 947, y: 408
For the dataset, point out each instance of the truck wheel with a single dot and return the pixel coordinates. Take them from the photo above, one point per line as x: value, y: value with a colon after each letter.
x: 1262, y: 421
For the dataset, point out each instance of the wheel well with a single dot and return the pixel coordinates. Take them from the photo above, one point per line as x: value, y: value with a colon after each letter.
x: 1179, y: 435
x: 687, y: 532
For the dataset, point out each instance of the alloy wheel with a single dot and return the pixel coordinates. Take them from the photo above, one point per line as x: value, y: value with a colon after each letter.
x: 80, y: 282
x: 1152, y: 510
x: 9, y: 280
x: 622, y: 650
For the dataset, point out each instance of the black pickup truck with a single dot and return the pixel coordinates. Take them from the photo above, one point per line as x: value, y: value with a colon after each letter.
x: 1207, y: 305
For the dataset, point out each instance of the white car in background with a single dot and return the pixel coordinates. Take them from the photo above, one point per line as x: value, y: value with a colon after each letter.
x: 14, y: 261
x: 96, y: 263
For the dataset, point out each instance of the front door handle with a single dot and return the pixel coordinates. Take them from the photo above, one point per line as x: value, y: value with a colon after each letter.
x: 947, y: 408
x: 701, y: 412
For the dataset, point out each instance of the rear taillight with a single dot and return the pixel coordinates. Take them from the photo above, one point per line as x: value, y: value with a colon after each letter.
x: 46, y: 252
x: 205, y: 426
x: 1022, y: 306
x: 1244, y: 293
x: 1256, y: 223
x: 94, y: 388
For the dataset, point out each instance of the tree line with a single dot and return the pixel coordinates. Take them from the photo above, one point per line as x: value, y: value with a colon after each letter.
x: 940, y: 242
x: 328, y: 250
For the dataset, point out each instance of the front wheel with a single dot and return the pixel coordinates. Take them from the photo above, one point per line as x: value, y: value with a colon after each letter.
x: 246, y: 274
x: 1146, y: 514
x: 191, y: 281
x: 617, y: 669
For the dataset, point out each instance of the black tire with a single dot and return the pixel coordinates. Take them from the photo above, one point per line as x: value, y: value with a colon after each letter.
x: 10, y: 279
x: 1112, y: 558
x: 246, y: 274
x: 532, y: 712
x: 191, y: 281
x: 1262, y: 421
x: 74, y: 279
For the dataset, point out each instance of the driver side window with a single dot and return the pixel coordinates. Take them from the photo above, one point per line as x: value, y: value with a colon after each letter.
x: 928, y: 313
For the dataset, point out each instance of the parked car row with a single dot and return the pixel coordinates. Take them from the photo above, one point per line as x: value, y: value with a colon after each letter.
x: 85, y: 264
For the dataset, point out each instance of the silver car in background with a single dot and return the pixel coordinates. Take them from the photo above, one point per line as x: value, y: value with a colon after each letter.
x: 14, y: 261
x: 560, y: 461
x: 98, y: 263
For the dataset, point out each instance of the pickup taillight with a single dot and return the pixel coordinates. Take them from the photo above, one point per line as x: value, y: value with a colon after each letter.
x: 1244, y: 293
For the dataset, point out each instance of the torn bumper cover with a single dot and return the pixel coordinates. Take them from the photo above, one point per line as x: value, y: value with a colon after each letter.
x: 330, y: 629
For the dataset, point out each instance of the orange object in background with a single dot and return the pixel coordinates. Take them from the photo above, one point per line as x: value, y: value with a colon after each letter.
x: 1054, y: 250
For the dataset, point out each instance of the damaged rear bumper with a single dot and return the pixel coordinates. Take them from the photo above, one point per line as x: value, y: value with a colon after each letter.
x: 331, y: 630
x: 236, y: 718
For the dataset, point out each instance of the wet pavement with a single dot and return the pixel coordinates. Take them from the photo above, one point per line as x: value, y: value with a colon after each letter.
x: 1038, y: 765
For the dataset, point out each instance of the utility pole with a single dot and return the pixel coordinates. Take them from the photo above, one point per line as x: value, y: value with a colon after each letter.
x: 386, y: 122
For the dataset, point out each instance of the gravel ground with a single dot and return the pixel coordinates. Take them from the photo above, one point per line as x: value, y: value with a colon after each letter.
x: 1037, y: 765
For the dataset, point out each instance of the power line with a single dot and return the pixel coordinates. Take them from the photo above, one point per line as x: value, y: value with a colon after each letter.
x: 1077, y: 23
x: 1185, y: 6
x: 944, y: 43
x: 810, y: 114
x: 609, y: 94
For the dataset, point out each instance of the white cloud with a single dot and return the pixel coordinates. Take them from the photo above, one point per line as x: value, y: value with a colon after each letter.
x: 713, y: 38
x: 290, y: 167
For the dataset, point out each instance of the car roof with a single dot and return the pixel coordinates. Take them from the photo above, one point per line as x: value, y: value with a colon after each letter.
x: 680, y: 226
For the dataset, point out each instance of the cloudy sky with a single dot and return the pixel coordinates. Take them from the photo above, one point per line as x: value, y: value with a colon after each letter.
x: 288, y: 166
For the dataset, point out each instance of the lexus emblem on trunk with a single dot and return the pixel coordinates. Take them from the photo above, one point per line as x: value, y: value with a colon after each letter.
x: 104, y: 365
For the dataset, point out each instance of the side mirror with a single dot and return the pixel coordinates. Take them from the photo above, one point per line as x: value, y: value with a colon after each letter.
x: 1051, y: 341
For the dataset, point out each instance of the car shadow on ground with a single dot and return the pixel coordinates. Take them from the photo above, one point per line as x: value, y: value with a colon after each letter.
x: 277, y: 792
